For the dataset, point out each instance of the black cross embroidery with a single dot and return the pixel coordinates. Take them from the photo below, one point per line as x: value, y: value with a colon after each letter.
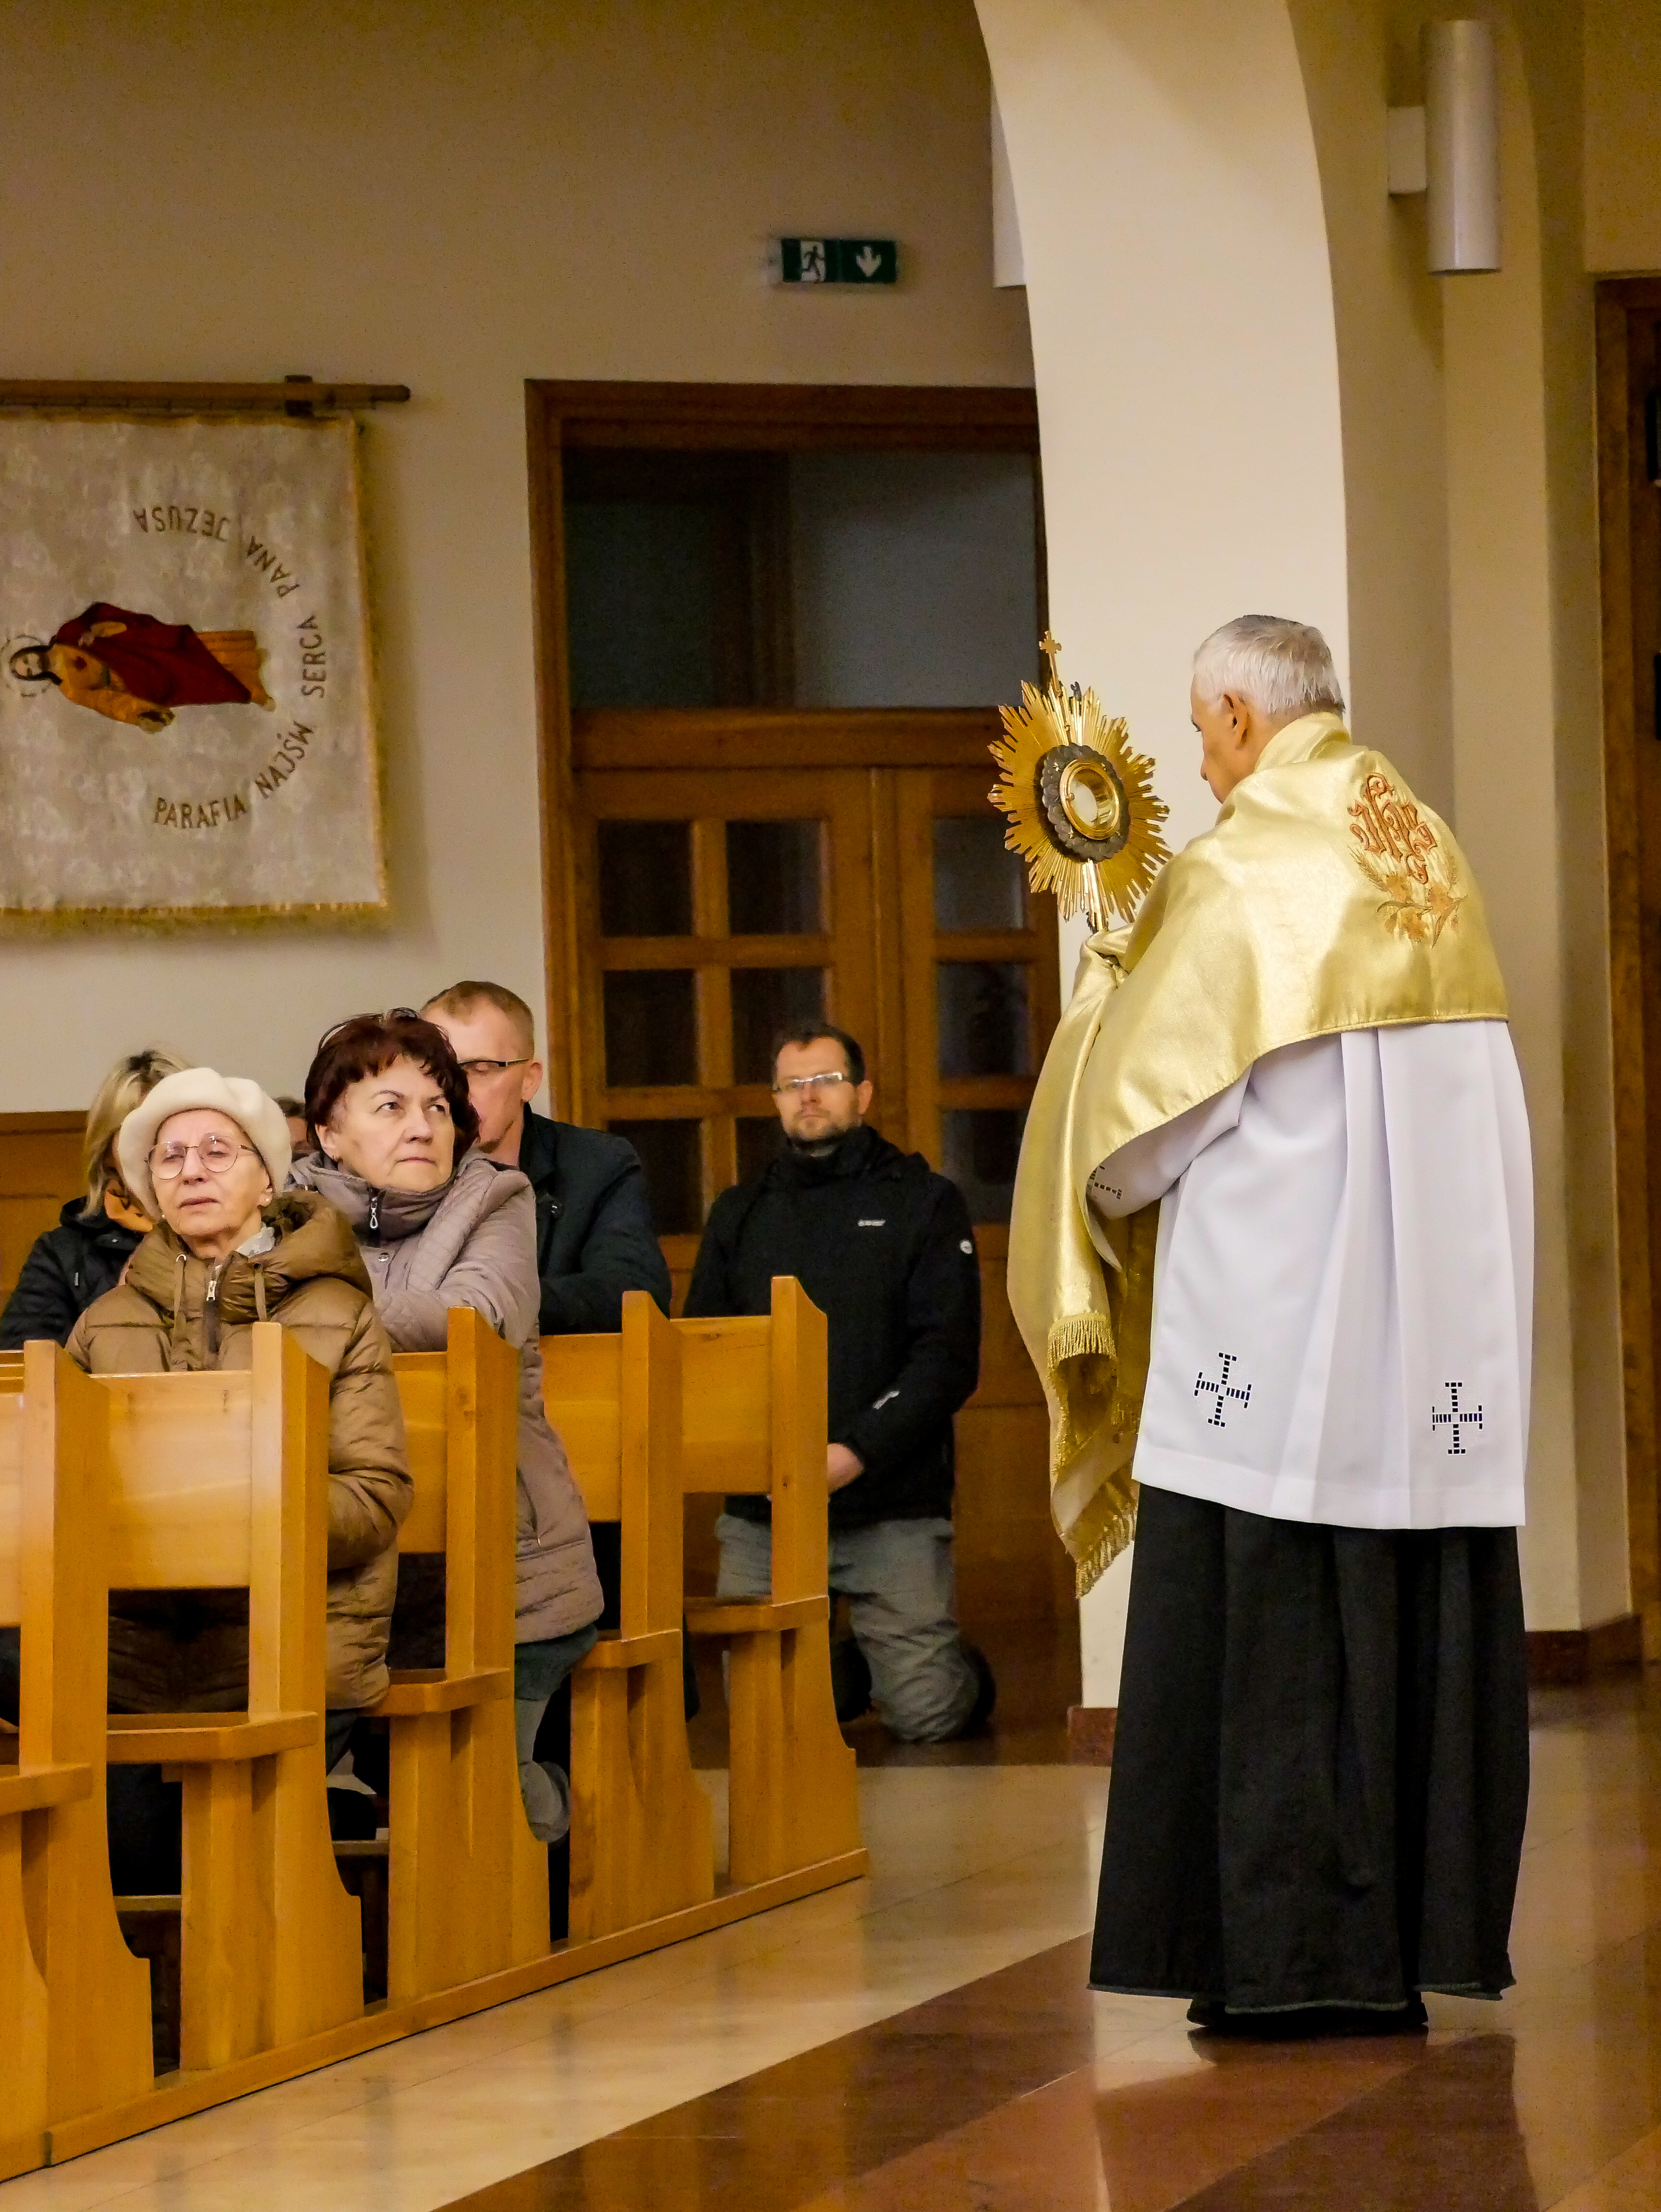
x: 1455, y: 1421
x: 1221, y: 1390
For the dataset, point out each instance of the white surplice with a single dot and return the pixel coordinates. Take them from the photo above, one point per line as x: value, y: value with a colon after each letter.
x: 1344, y: 1284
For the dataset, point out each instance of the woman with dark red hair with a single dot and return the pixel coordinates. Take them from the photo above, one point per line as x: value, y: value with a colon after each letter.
x: 439, y: 1226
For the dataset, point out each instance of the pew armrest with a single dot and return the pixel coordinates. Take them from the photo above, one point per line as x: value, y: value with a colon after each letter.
x: 746, y: 1618
x: 420, y: 1691
x: 27, y: 1789
x: 189, y: 1739
x: 627, y: 1651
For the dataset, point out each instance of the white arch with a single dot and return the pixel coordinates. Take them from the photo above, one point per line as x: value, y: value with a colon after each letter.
x: 1183, y: 336
x: 1180, y: 294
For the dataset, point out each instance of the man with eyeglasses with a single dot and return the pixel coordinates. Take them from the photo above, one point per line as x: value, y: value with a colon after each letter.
x: 883, y: 1245
x: 595, y: 1238
x: 595, y: 1235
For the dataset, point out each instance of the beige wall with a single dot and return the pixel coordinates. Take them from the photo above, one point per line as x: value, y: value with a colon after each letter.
x: 457, y: 199
x: 1355, y: 60
x: 1182, y: 307
x: 1524, y: 561
x: 1470, y: 466
x: 1454, y: 515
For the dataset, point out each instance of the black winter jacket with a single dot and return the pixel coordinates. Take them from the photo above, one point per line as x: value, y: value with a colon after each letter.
x: 66, y: 1269
x: 884, y: 1246
x: 594, y: 1234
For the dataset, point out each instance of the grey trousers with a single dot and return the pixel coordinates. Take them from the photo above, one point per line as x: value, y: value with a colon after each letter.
x: 539, y: 1670
x: 898, y: 1579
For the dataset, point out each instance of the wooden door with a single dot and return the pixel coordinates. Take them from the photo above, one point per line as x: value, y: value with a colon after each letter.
x: 714, y: 910
x: 717, y: 905
x: 1630, y: 520
x: 982, y: 995
x: 40, y: 1173
x: 719, y: 867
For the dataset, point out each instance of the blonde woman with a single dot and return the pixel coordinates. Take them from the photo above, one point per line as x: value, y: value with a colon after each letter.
x: 70, y: 1265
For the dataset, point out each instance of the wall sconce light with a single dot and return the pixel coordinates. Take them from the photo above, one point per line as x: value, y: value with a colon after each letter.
x: 1449, y: 149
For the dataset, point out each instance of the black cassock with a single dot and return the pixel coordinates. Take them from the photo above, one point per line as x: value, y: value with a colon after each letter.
x: 1321, y: 1770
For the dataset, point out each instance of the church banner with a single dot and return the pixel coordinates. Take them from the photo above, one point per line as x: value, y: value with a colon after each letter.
x: 187, y: 694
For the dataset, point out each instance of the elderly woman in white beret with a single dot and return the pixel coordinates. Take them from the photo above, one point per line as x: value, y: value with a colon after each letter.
x: 206, y: 1155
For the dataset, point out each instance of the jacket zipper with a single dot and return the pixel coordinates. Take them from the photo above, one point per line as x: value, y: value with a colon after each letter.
x: 375, y: 1213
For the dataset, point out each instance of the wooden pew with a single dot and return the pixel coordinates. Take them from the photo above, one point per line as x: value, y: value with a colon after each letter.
x: 220, y: 1480
x: 75, y: 2004
x: 641, y: 1836
x: 468, y: 1887
x: 755, y: 1421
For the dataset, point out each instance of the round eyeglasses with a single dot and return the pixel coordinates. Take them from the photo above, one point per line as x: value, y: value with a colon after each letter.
x: 217, y: 1154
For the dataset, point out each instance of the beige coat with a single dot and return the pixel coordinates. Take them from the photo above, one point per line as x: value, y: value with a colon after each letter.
x: 472, y: 1242
x: 188, y: 1650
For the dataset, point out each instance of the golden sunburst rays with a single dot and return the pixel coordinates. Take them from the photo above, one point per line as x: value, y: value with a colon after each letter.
x: 1082, y: 809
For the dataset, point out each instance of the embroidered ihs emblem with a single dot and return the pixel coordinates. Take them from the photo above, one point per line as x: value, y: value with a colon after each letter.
x: 1223, y: 1391
x: 1456, y: 1421
x: 1402, y: 854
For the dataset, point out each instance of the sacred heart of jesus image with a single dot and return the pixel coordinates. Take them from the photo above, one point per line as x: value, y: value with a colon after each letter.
x: 187, y: 696
x: 135, y: 668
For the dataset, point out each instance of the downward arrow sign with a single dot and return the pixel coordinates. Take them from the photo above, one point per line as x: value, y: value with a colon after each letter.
x: 868, y: 261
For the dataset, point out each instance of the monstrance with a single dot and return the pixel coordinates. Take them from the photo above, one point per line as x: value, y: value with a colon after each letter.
x: 1082, y: 809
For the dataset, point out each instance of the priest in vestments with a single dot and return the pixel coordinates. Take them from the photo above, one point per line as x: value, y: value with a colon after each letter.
x: 1284, y: 1104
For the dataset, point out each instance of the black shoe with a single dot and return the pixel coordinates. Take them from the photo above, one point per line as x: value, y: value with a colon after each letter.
x: 850, y: 1680
x: 986, y: 1694
x: 354, y: 1816
x: 1306, y: 2023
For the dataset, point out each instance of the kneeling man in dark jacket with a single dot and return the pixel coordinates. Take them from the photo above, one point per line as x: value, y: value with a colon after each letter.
x: 883, y: 1245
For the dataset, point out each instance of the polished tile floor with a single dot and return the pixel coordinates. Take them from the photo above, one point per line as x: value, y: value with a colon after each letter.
x: 925, y: 2039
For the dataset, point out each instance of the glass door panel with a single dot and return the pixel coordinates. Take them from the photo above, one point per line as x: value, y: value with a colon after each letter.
x: 718, y: 907
x: 981, y: 989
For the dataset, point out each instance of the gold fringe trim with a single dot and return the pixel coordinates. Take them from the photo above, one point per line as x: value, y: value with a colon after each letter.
x: 1083, y: 1364
x: 1075, y: 1336
x: 1102, y: 1531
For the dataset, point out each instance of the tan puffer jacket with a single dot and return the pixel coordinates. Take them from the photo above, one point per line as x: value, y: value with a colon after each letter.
x: 186, y: 1651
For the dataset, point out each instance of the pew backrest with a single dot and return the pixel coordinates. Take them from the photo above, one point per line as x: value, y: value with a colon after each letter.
x: 220, y: 1481
x: 11, y: 1500
x: 461, y: 1424
x: 53, y: 1473
x: 616, y: 1403
x: 756, y: 1422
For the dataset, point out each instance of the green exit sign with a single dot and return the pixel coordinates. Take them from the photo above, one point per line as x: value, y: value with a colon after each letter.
x: 837, y: 261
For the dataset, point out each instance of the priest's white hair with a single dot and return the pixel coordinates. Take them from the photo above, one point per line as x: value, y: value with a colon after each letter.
x: 1279, y: 667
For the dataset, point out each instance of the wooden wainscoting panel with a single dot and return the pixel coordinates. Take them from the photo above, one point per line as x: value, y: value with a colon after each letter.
x: 40, y: 1173
x: 1010, y: 1564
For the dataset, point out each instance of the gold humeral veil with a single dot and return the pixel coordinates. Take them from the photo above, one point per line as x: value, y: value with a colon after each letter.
x: 1324, y: 898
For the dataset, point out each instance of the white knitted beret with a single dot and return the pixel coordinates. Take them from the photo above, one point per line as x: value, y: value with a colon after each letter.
x: 261, y: 1120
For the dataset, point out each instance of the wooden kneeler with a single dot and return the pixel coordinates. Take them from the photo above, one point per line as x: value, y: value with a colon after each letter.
x: 755, y: 1420
x: 75, y: 2004
x: 467, y: 1882
x: 641, y: 1832
x: 220, y: 1480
